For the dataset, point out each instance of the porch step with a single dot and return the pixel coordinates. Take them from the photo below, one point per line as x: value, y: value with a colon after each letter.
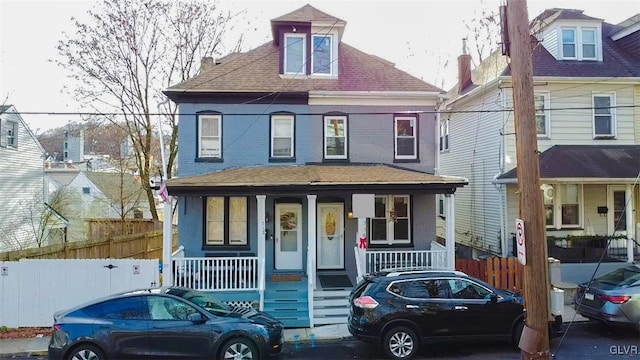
x: 330, y: 307
x: 287, y: 301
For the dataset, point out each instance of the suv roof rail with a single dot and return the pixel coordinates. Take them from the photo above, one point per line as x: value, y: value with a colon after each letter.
x: 399, y: 271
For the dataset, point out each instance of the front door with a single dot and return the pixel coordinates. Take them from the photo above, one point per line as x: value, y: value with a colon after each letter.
x: 288, y: 239
x: 330, y: 236
x: 616, y: 216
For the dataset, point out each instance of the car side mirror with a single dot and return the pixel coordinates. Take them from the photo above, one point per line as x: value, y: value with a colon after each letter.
x: 493, y: 298
x: 197, y: 318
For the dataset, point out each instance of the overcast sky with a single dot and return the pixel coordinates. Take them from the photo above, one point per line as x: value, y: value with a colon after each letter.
x: 419, y: 36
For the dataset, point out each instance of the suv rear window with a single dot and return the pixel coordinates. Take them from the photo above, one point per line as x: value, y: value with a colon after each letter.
x: 362, y: 288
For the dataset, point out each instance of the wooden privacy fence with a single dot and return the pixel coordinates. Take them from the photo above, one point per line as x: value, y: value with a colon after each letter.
x: 502, y: 273
x: 147, y: 245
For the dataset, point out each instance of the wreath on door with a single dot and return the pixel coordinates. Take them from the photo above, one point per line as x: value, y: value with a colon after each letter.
x: 288, y: 221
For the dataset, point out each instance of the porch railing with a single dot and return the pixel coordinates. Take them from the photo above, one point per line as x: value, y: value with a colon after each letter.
x: 216, y: 274
x: 410, y: 259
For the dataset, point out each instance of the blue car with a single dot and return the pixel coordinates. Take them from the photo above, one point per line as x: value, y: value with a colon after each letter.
x: 168, y: 322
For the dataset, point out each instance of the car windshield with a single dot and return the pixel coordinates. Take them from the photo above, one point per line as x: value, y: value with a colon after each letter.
x: 621, y: 277
x: 207, y: 301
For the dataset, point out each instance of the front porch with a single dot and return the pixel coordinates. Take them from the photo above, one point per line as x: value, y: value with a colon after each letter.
x: 297, y: 299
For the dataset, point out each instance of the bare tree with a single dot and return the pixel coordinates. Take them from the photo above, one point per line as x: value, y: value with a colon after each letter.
x: 484, y: 31
x: 129, y: 52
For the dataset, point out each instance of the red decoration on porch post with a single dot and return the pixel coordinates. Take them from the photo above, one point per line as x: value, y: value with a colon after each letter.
x: 363, y: 242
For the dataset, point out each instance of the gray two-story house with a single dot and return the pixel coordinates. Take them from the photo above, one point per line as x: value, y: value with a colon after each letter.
x: 294, y: 155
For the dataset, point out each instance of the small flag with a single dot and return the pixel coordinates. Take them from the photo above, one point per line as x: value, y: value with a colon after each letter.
x: 163, y: 192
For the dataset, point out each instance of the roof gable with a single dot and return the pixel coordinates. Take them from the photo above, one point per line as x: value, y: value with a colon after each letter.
x: 307, y: 13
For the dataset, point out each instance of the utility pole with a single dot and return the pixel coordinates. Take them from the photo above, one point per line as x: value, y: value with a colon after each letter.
x: 534, y: 343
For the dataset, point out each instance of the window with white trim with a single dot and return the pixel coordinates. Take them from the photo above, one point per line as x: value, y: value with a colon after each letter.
x: 444, y: 134
x: 405, y: 139
x: 282, y: 133
x: 580, y: 43
x: 604, y: 120
x: 322, y: 55
x: 335, y: 137
x: 294, y: 54
x: 210, y: 136
x: 392, y: 221
x: 441, y: 206
x: 563, y: 204
x: 226, y: 221
x: 9, y: 134
x: 541, y: 101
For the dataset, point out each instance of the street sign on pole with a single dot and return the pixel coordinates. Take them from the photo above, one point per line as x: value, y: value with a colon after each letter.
x: 522, y: 253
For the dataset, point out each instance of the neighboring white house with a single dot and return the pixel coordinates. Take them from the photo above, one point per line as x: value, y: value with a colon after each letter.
x: 587, y: 92
x: 23, y: 219
x: 94, y: 195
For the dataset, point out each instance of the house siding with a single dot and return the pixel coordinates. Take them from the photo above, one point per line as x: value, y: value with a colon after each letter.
x: 21, y: 185
x: 549, y: 40
x: 636, y: 114
x: 474, y: 153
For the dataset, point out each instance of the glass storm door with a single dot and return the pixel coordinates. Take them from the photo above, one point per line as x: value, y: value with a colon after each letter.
x: 330, y: 236
x: 288, y: 239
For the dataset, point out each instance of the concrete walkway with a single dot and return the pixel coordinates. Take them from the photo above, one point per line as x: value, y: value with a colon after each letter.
x: 38, y: 346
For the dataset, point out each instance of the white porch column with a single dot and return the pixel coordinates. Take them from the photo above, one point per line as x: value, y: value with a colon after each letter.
x: 311, y: 252
x: 261, y: 214
x: 167, y: 243
x: 450, y: 233
x: 631, y: 225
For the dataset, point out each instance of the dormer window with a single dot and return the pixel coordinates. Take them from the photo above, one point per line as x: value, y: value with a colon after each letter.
x: 580, y: 43
x: 322, y: 54
x: 294, y: 54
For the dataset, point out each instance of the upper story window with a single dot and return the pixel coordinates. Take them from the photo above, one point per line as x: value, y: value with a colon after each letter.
x: 541, y: 101
x: 86, y: 190
x: 282, y: 136
x: 210, y: 136
x: 9, y: 134
x: 604, y: 119
x: 580, y: 43
x: 444, y: 135
x: 392, y: 222
x: 322, y: 54
x: 405, y: 131
x: 335, y: 137
x: 226, y: 221
x: 294, y: 54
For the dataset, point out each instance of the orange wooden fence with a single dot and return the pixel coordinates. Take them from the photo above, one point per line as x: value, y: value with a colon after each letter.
x: 502, y: 273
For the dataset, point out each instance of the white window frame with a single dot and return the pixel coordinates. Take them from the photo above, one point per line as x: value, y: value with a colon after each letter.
x: 444, y: 135
x: 546, y: 112
x: 303, y: 68
x: 612, y: 115
x: 396, y: 137
x: 583, y: 43
x: 331, y: 55
x: 291, y: 120
x: 12, y: 134
x: 574, y: 43
x: 227, y: 222
x: 390, y: 223
x: 327, y: 120
x: 441, y: 205
x: 210, y: 153
x: 555, y: 193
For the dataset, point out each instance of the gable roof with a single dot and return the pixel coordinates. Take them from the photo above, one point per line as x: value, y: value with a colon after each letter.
x: 354, y: 177
x: 258, y: 71
x: 121, y: 187
x: 10, y: 112
x: 63, y: 177
x: 307, y: 13
x: 586, y: 161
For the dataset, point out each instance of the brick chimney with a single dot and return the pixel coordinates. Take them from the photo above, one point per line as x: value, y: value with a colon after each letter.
x: 206, y: 63
x: 464, y: 68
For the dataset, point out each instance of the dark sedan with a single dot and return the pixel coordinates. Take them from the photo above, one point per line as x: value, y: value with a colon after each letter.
x: 168, y: 322
x: 613, y: 298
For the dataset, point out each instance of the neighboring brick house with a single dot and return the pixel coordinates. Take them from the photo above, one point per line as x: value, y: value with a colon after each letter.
x: 276, y: 142
x: 587, y: 97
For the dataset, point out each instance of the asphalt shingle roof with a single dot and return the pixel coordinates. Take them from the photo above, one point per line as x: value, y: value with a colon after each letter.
x: 587, y: 161
x: 306, y: 13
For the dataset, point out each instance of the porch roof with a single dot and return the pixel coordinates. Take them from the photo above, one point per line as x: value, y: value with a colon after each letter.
x: 586, y: 162
x: 313, y: 178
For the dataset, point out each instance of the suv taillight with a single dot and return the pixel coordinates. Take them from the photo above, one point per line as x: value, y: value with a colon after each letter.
x: 616, y: 299
x: 365, y: 302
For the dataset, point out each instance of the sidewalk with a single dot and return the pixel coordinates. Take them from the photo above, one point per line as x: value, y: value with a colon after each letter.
x: 38, y: 346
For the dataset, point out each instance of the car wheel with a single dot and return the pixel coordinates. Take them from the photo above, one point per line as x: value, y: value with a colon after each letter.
x: 401, y: 343
x: 86, y: 352
x: 517, y: 333
x: 239, y: 349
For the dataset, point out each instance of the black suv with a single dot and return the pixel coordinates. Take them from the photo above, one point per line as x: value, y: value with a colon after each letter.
x: 402, y: 309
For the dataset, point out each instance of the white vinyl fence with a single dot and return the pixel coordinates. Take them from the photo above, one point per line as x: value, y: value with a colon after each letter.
x: 32, y: 290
